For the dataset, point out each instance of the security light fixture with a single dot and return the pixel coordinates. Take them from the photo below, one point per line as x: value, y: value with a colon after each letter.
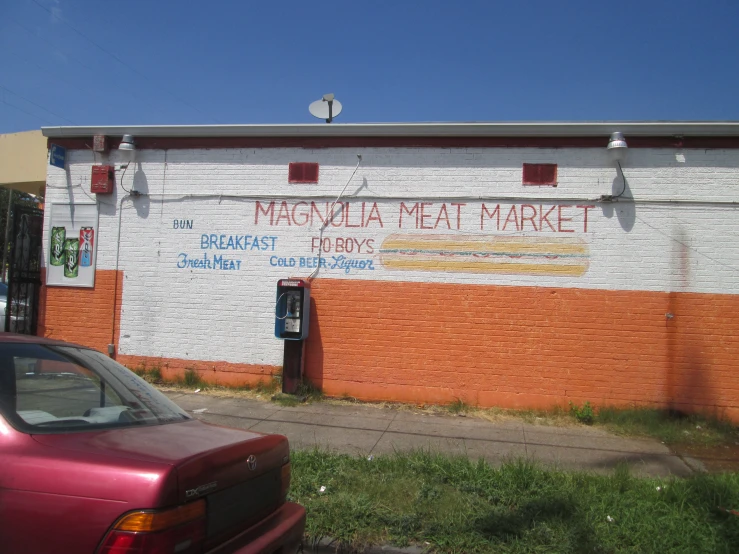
x: 617, y: 150
x: 127, y: 147
x: 617, y: 146
x: 127, y: 143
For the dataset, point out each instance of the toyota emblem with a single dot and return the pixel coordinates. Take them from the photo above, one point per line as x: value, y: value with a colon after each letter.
x: 251, y: 461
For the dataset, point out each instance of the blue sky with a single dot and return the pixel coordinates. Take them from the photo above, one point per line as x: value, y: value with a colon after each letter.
x: 229, y: 61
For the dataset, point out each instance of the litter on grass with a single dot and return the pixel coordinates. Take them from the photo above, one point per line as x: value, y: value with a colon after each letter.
x: 197, y: 390
x: 732, y: 512
x: 322, y: 489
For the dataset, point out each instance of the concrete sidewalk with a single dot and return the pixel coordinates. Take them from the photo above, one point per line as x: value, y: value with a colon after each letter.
x: 364, y: 430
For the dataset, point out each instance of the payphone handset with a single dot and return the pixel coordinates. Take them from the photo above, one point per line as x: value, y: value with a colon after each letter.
x: 292, y: 315
x: 292, y: 309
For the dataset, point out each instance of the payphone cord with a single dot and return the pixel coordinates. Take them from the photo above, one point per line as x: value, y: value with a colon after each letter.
x: 330, y: 217
x: 277, y: 305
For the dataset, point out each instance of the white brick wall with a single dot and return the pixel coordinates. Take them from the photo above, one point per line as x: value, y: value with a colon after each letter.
x: 679, y: 234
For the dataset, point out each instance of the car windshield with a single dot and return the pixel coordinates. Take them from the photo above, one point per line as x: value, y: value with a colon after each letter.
x: 58, y: 389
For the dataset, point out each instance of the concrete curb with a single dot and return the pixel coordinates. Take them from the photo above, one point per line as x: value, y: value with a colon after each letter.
x: 695, y: 464
x: 330, y: 546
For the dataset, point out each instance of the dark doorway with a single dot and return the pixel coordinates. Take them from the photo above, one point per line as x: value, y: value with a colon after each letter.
x: 24, y: 270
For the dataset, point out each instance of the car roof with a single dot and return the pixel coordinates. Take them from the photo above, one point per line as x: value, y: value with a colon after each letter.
x: 32, y: 339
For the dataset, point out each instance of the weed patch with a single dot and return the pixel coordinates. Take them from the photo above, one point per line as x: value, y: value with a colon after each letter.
x: 584, y: 414
x: 306, y: 392
x: 458, y: 407
x: 155, y: 374
x: 191, y: 378
x: 668, y: 427
x: 309, y: 391
x: 270, y: 386
x: 286, y: 400
x: 151, y: 375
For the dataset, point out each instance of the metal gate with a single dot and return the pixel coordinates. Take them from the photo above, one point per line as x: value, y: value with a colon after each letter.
x: 24, y: 270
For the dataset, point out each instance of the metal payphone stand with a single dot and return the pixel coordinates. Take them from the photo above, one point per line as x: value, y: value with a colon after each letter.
x: 292, y: 315
x: 292, y: 366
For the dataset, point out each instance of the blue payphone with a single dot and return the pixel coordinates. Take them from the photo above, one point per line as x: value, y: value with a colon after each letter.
x: 292, y: 309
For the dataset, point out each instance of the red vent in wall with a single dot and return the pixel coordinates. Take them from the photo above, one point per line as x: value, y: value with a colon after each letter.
x: 302, y: 172
x: 540, y: 174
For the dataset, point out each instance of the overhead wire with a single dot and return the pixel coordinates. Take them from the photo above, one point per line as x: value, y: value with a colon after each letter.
x: 37, y: 105
x: 129, y: 93
x: 120, y: 61
x: 4, y: 101
x: 685, y: 245
x: 48, y: 73
x: 330, y: 217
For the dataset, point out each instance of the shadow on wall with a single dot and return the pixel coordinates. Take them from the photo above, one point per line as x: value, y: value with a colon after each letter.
x: 688, y: 387
x: 313, y: 368
x: 141, y: 186
x: 108, y: 204
x: 624, y: 208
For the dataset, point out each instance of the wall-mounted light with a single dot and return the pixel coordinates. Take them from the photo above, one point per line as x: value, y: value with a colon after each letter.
x: 617, y: 146
x: 127, y: 147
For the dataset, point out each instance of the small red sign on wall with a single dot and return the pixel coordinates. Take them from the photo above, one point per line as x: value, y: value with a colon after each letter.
x: 302, y: 172
x: 540, y: 174
x: 103, y: 178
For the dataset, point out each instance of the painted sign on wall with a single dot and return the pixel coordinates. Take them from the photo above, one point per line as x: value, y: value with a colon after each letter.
x: 441, y: 237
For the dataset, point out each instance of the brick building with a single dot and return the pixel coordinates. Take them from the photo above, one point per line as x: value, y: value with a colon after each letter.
x: 512, y: 265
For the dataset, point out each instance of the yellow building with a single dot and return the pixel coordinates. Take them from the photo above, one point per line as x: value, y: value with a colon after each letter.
x: 23, y: 162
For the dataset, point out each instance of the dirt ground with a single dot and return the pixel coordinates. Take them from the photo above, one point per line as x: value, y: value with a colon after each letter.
x: 717, y: 459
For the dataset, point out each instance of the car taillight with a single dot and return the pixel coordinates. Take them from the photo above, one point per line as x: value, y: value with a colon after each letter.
x: 178, y: 530
x: 285, y: 478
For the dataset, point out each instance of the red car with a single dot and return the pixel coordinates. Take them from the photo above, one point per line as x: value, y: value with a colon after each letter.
x: 95, y: 460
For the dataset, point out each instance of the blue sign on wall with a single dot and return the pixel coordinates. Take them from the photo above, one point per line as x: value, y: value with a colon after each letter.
x: 58, y: 156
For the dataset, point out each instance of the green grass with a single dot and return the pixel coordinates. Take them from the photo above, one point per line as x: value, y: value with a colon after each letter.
x: 286, y: 400
x: 460, y: 506
x: 155, y: 374
x: 307, y: 392
x: 584, y: 414
x: 151, y: 375
x: 458, y: 407
x: 191, y: 379
x: 667, y: 427
x: 270, y: 386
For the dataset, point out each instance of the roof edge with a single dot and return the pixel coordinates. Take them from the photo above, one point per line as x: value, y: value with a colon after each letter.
x: 500, y: 129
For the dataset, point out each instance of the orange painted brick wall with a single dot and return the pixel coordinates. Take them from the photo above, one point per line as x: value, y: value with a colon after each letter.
x: 517, y: 347
x: 524, y: 346
x: 214, y: 372
x: 83, y: 315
